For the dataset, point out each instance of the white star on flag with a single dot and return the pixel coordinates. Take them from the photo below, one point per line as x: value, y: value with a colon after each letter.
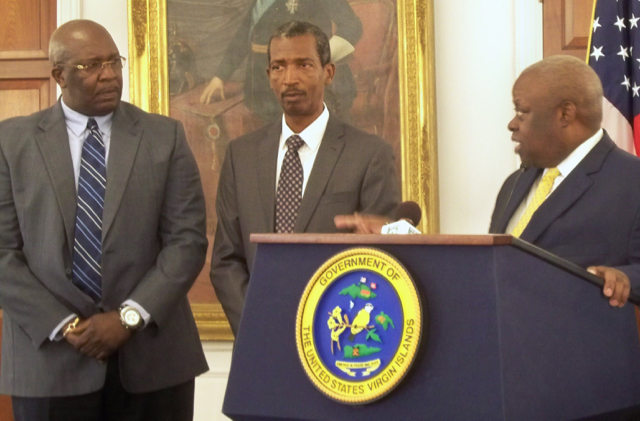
x: 596, y: 24
x: 633, y: 21
x: 636, y: 89
x: 626, y: 82
x: 597, y: 53
x: 620, y: 23
x: 623, y: 53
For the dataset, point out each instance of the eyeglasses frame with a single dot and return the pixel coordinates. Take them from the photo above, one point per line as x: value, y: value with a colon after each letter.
x: 88, y: 67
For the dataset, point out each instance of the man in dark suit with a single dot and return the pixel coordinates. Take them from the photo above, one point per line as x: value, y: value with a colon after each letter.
x: 102, y: 233
x: 297, y: 173
x: 589, y: 211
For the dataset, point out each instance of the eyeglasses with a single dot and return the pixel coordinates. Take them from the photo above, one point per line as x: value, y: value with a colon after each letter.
x: 97, y: 67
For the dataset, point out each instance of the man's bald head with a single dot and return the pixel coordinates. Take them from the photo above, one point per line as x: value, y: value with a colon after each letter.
x: 67, y: 37
x: 558, y: 104
x: 566, y: 78
x: 87, y: 66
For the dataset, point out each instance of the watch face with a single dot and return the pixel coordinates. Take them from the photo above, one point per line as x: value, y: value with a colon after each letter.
x: 131, y: 317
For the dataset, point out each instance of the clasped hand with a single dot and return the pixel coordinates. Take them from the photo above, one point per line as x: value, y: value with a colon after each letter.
x: 99, y: 336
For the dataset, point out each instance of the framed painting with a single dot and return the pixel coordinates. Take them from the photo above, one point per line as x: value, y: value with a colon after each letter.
x: 203, y: 62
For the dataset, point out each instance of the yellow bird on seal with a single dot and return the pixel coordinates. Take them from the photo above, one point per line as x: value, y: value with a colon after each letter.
x: 361, y: 321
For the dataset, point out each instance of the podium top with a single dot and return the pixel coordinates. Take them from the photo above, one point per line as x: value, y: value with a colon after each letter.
x: 427, y: 239
x: 437, y: 239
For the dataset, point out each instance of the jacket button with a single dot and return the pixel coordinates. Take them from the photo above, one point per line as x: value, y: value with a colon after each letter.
x: 68, y: 271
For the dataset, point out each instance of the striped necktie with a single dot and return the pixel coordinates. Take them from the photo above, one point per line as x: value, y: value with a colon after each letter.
x: 289, y: 193
x: 87, y: 247
x: 543, y: 190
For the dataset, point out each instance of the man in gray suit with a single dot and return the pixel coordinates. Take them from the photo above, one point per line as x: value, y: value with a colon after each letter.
x: 295, y: 174
x: 102, y: 233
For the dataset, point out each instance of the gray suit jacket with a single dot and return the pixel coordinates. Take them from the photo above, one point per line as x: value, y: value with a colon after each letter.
x: 153, y: 247
x: 353, y: 172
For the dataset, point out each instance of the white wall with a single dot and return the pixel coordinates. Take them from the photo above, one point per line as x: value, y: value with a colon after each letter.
x: 210, y: 386
x: 479, y: 47
x: 474, y: 72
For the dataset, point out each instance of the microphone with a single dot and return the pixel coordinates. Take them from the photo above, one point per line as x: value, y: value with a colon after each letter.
x: 409, y: 211
x: 408, y: 214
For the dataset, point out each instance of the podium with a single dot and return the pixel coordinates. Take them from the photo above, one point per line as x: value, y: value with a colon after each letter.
x: 508, y: 335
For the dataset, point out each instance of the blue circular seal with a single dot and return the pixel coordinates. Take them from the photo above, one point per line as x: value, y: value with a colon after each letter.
x: 359, y: 325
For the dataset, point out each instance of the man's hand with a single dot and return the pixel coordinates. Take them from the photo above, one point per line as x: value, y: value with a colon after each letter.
x: 99, y: 336
x: 361, y: 224
x: 211, y: 89
x: 616, y: 284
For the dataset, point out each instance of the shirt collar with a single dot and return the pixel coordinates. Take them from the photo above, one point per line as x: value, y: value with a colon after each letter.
x: 312, y: 135
x: 572, y: 161
x: 77, y: 122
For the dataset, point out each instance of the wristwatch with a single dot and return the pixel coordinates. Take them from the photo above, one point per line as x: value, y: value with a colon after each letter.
x: 130, y: 317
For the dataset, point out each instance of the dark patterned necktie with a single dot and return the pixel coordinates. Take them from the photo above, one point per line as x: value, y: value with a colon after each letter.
x: 289, y: 194
x: 92, y: 183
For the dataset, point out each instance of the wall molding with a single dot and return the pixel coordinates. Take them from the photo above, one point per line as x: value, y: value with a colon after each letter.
x: 528, y: 33
x: 528, y: 36
x: 218, y: 355
x: 69, y: 10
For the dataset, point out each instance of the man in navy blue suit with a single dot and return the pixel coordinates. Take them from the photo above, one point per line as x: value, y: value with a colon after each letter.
x: 591, y: 213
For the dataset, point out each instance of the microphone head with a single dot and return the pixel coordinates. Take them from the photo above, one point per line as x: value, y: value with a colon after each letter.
x: 409, y: 210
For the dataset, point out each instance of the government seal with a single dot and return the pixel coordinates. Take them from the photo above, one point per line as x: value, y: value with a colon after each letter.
x: 359, y: 326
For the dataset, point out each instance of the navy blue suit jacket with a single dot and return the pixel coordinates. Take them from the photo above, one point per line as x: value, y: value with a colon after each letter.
x: 591, y: 219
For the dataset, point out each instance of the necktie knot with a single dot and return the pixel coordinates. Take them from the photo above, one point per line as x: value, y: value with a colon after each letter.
x: 294, y: 142
x: 551, y: 175
x: 92, y: 124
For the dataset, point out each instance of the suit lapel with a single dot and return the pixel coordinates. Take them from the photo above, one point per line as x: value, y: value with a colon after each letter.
x: 125, y: 139
x: 328, y: 154
x: 53, y: 142
x: 522, y: 187
x: 569, y: 191
x: 267, y: 162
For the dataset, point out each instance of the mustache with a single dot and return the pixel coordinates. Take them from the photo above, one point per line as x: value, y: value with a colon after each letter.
x: 292, y: 92
x: 107, y: 89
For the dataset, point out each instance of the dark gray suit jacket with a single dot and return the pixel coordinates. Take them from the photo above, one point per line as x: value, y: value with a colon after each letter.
x: 592, y: 218
x: 153, y: 247
x: 353, y: 171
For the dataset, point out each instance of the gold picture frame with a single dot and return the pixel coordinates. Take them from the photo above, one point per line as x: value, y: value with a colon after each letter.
x: 149, y: 90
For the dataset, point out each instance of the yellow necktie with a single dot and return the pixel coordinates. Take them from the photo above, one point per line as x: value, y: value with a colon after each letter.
x: 540, y: 196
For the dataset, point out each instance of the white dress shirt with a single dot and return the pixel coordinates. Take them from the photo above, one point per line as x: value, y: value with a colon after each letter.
x: 565, y: 168
x: 77, y: 131
x: 312, y: 137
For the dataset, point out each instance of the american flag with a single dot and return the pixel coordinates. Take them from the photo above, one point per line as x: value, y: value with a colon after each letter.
x: 614, y: 53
